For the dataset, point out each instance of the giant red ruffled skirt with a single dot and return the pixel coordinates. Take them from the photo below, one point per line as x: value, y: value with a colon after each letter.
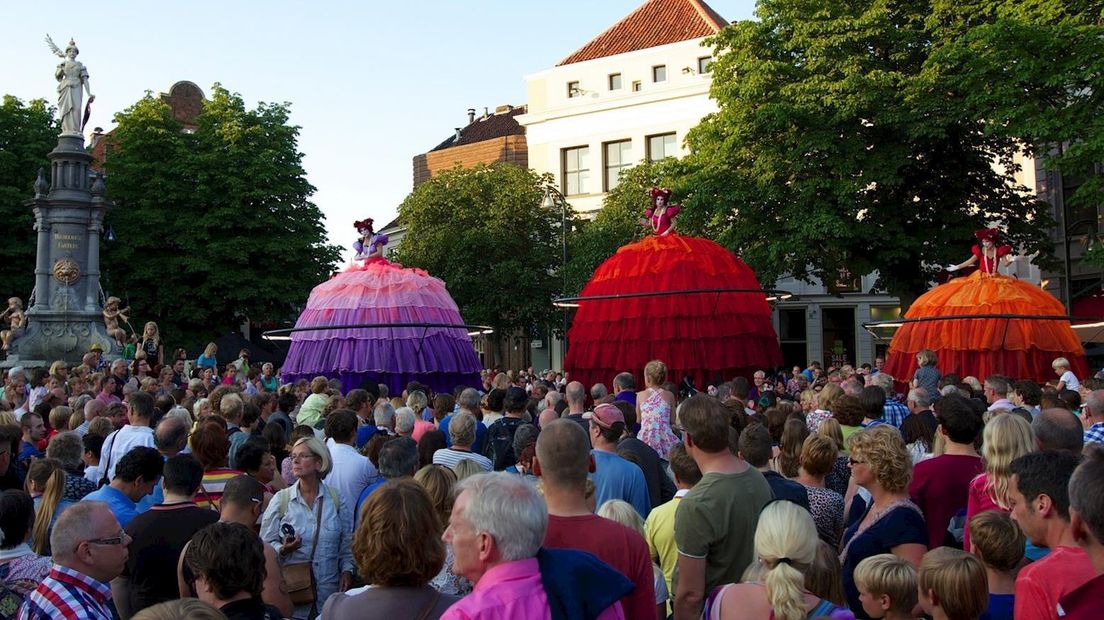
x: 708, y: 336
x: 381, y: 293
x: 1018, y: 346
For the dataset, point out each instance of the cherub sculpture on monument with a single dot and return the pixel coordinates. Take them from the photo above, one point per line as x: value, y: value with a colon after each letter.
x: 72, y: 77
x: 14, y: 314
x: 113, y: 314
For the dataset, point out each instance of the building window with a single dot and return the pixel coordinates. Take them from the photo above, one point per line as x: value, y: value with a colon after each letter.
x: 573, y: 90
x: 576, y: 171
x: 660, y: 146
x: 792, y: 336
x: 705, y: 65
x: 659, y: 73
x: 615, y: 81
x: 618, y: 158
x: 636, y: 86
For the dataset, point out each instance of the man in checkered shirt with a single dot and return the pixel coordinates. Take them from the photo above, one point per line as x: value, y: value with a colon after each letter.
x: 90, y: 549
x: 1092, y: 414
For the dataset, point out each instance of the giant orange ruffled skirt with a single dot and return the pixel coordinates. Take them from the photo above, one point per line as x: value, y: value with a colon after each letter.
x: 1018, y: 346
x: 707, y: 336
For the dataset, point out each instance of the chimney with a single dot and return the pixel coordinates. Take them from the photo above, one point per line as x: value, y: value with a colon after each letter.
x: 471, y: 115
x: 486, y: 112
x: 456, y: 138
x: 97, y: 135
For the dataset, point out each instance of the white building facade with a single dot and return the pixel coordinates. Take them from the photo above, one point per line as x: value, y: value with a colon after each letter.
x: 589, y: 120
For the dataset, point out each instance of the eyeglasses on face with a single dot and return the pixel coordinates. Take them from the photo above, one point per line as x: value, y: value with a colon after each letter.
x: 303, y: 456
x: 853, y: 461
x: 114, y: 540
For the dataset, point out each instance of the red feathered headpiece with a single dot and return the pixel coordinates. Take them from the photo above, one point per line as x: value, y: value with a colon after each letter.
x: 660, y: 191
x: 361, y: 224
x: 991, y: 234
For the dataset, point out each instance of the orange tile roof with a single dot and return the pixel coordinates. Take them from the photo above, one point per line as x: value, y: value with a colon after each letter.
x: 654, y: 23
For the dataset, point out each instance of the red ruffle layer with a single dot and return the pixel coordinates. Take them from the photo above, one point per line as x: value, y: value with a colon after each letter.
x: 1020, y: 348
x: 708, y: 336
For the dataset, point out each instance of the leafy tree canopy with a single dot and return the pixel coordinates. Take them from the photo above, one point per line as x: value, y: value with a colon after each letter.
x: 834, y: 148
x: 213, y: 226
x: 1033, y: 71
x: 484, y: 231
x: 27, y: 133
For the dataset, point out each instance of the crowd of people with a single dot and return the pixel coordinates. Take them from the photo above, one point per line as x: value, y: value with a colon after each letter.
x: 167, y: 488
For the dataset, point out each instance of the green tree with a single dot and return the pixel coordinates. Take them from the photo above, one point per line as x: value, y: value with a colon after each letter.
x: 831, y: 151
x: 484, y: 231
x: 213, y: 226
x: 27, y: 133
x: 618, y: 221
x: 1033, y: 71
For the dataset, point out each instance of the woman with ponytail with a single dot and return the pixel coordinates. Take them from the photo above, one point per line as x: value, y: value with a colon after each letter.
x: 786, y: 545
x: 46, y: 485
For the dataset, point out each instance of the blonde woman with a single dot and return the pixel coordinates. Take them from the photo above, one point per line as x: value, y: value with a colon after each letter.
x: 891, y: 523
x: 786, y: 544
x: 655, y: 409
x: 311, y: 411
x: 419, y: 404
x: 440, y: 482
x: 1005, y: 438
x: 209, y: 357
x: 623, y: 513
x: 825, y: 401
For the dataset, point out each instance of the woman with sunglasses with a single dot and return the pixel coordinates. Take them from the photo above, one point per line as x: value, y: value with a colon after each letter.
x: 890, y: 523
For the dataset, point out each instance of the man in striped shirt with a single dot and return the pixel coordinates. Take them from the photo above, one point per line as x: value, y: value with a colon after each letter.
x: 90, y: 549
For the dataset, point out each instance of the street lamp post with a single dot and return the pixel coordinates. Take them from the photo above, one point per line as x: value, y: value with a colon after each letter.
x: 554, y: 198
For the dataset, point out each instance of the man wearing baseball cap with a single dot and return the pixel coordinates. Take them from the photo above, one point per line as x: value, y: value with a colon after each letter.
x: 615, y: 477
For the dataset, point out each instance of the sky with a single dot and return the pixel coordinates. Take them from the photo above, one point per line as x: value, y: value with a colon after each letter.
x: 370, y: 84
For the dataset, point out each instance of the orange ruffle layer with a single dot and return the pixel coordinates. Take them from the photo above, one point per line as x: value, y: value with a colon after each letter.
x: 1020, y: 348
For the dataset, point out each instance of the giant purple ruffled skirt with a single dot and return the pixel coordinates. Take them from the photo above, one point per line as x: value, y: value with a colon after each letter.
x: 380, y: 292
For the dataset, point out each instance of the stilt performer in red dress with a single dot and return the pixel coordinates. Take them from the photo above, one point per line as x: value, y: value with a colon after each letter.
x: 684, y: 300
x: 1000, y: 325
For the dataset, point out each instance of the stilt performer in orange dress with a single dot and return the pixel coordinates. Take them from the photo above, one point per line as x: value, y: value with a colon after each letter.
x: 987, y: 323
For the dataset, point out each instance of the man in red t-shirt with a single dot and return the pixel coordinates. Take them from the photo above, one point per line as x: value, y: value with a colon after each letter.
x: 1086, y: 490
x: 1039, y: 494
x: 562, y: 461
x: 941, y: 485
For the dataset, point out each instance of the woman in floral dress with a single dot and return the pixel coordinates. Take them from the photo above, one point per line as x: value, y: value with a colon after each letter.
x: 654, y: 409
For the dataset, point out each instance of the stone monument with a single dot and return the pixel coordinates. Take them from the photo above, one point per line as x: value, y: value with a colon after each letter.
x: 64, y: 315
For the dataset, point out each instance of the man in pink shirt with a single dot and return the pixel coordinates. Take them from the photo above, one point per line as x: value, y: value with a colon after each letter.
x: 496, y: 528
x: 1039, y: 494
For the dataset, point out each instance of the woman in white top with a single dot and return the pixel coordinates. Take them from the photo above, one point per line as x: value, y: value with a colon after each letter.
x: 298, y: 506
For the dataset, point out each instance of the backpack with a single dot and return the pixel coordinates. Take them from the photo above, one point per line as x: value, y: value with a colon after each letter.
x: 500, y: 442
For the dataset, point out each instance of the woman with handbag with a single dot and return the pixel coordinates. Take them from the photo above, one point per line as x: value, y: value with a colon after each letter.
x: 311, y: 527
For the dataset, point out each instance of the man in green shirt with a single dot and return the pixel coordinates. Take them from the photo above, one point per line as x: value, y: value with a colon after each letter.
x: 715, y: 522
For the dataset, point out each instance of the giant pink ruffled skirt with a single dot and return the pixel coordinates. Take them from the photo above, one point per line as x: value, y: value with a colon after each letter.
x: 382, y: 293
